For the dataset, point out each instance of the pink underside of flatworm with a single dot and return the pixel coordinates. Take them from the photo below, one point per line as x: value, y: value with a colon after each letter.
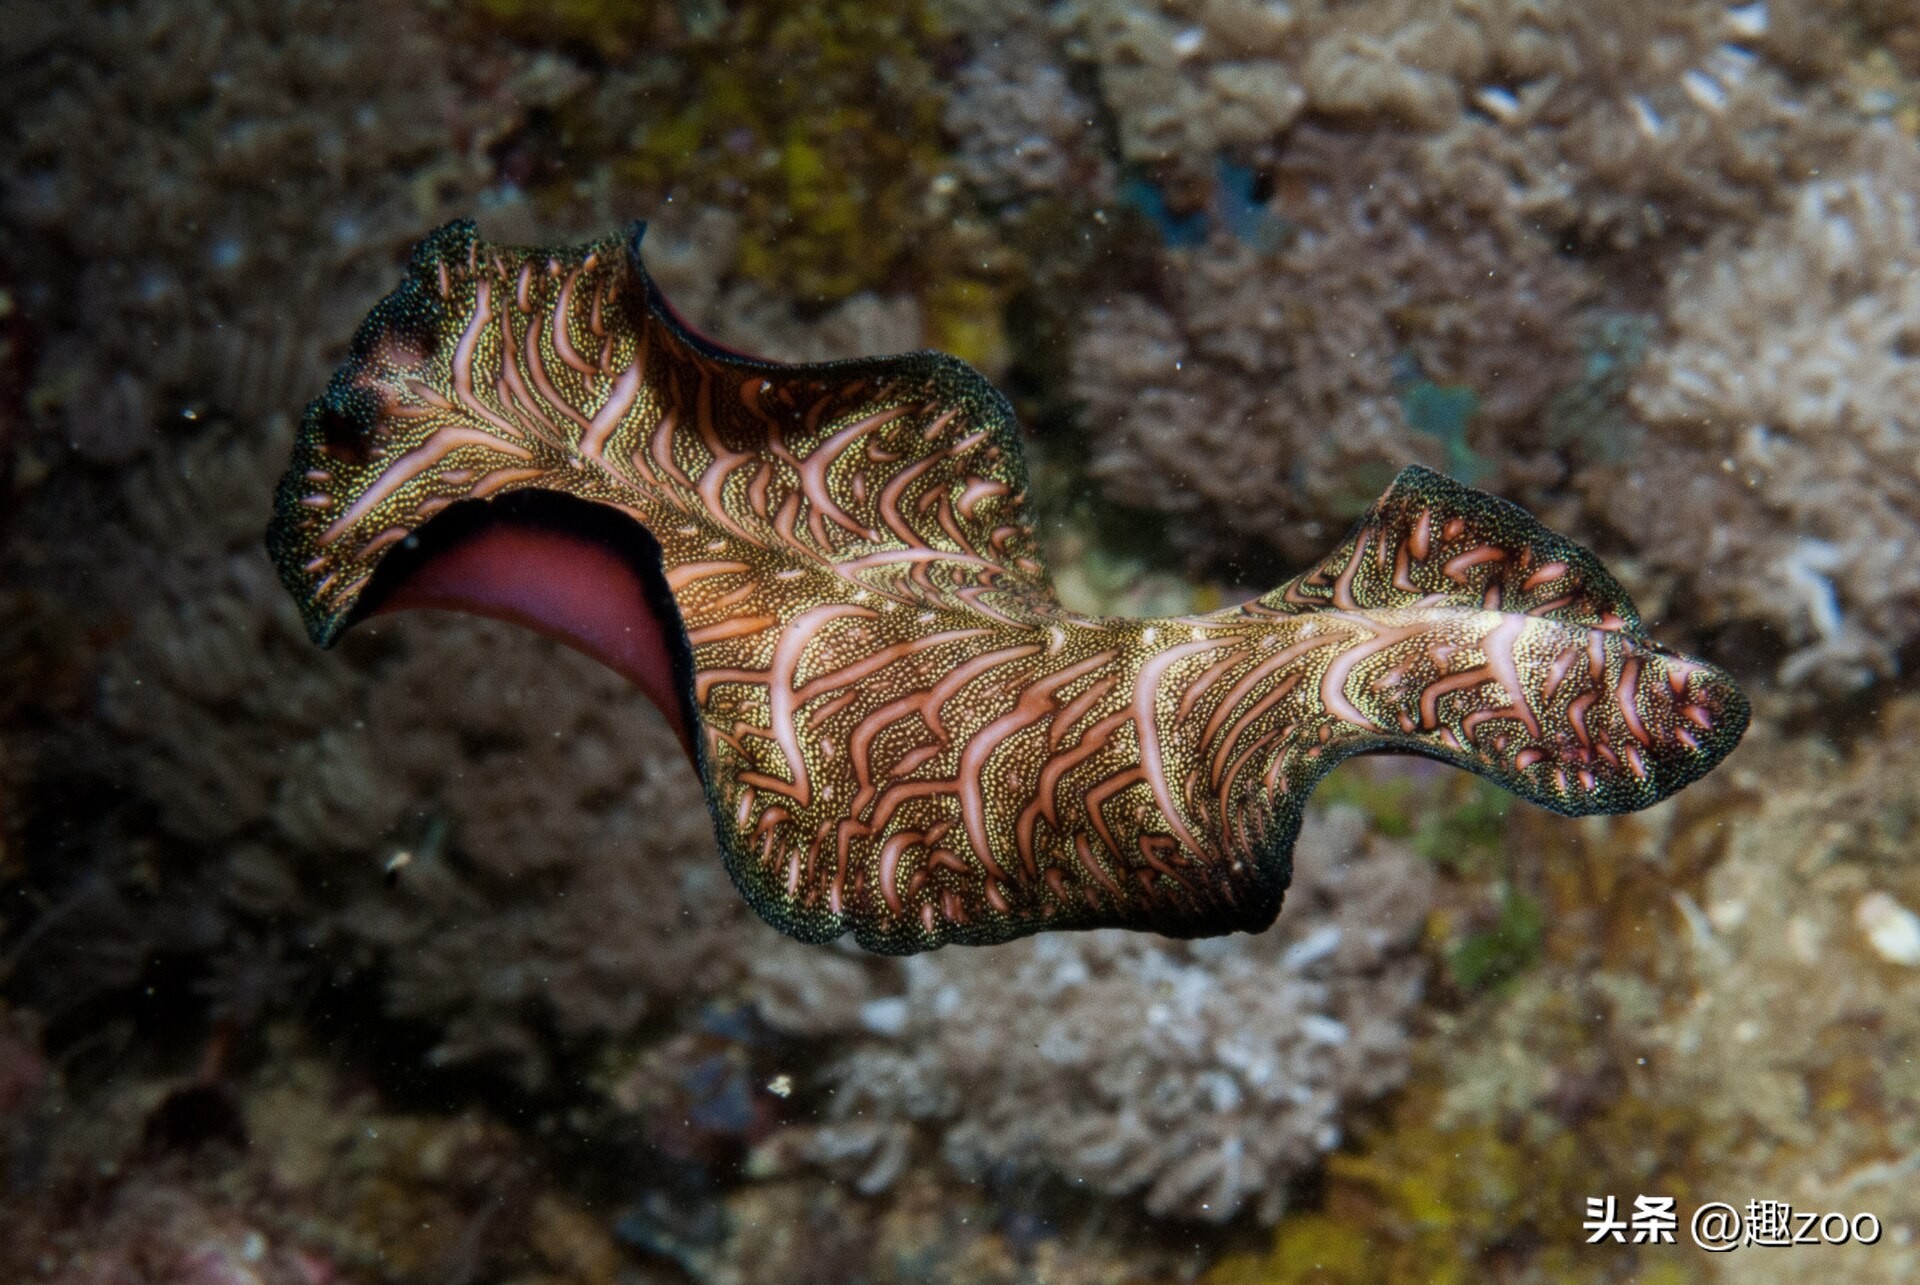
x: 570, y: 589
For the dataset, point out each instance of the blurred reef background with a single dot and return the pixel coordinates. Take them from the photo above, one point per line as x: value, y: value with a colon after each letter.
x: 413, y: 961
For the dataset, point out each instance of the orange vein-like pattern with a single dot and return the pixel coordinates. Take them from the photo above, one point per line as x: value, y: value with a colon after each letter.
x: 901, y: 731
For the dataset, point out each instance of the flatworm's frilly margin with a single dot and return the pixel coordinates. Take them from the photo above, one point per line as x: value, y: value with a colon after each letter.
x: 825, y: 575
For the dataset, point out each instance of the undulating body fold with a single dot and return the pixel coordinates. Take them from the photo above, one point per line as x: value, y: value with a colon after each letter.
x: 901, y: 732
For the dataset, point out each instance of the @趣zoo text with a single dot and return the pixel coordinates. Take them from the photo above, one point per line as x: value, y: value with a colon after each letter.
x: 1718, y: 1226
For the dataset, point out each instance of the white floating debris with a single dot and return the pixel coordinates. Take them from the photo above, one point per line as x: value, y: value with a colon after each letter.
x: 885, y: 1016
x: 1731, y: 64
x: 1698, y: 924
x: 1498, y: 103
x: 1223, y: 1093
x: 1728, y: 914
x: 1892, y: 930
x: 1187, y: 43
x: 1704, y: 89
x: 1645, y: 117
x: 1804, y: 938
x: 1749, y: 20
x: 1322, y: 1029
x: 780, y: 1085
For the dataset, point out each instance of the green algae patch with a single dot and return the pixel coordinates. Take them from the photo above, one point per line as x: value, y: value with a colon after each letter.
x: 1427, y: 1200
x: 1542, y: 1081
x: 816, y: 123
x: 1503, y: 951
x: 1444, y: 411
x: 819, y: 123
x: 1590, y: 419
x: 968, y: 319
x: 1456, y: 821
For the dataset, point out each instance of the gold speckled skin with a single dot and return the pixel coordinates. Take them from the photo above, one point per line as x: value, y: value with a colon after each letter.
x: 901, y: 731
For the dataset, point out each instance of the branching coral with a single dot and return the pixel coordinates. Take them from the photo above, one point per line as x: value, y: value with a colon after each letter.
x: 1203, y: 1076
x: 1781, y: 423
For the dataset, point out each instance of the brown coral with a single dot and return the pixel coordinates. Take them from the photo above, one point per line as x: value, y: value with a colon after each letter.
x: 1269, y: 387
x: 1187, y: 79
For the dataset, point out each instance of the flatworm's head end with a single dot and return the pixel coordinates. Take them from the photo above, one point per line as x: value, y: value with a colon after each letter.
x: 293, y: 534
x: 325, y: 535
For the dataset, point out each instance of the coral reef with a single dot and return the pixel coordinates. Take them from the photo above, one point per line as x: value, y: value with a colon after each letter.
x: 1716, y: 1011
x: 1020, y: 129
x: 475, y: 1030
x: 1204, y: 1076
x: 1618, y: 124
x: 1467, y: 179
x: 200, y: 203
x: 818, y: 122
x: 313, y: 1182
x: 404, y: 804
x: 1274, y: 389
x: 1780, y: 423
x: 1187, y: 80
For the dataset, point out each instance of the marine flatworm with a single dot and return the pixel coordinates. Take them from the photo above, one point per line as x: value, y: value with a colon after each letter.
x: 825, y: 576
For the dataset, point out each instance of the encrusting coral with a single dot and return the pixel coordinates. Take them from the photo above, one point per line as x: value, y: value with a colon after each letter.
x: 816, y: 120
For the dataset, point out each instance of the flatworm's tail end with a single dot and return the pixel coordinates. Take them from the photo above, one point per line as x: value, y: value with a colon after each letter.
x: 1579, y: 711
x: 1641, y: 724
